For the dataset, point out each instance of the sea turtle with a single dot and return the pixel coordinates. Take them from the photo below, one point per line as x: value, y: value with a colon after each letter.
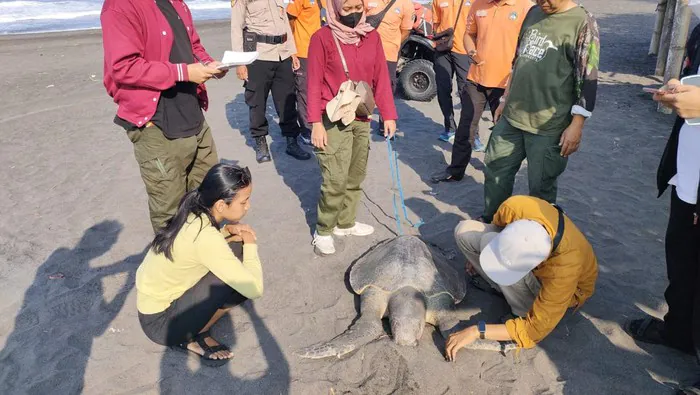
x: 401, y: 279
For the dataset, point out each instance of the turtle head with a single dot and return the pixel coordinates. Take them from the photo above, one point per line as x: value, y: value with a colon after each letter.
x: 407, y: 308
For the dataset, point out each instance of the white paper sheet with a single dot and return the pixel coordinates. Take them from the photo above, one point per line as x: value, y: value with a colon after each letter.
x: 232, y: 59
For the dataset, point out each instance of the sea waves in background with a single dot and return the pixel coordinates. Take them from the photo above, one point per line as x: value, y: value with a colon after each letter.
x: 34, y: 16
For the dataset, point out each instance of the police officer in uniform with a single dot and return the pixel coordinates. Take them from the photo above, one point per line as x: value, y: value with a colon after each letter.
x: 262, y: 25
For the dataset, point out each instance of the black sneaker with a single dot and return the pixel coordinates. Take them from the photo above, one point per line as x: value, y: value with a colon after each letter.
x: 295, y: 151
x: 443, y: 176
x: 262, y: 152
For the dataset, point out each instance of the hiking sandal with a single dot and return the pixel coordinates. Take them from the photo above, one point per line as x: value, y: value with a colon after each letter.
x: 206, y: 349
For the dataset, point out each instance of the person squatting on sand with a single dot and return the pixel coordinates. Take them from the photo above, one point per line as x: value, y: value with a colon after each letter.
x: 342, y: 150
x: 537, y: 259
x: 155, y: 68
x: 262, y: 26
x: 680, y: 168
x: 190, y: 277
x: 551, y: 92
x: 491, y: 39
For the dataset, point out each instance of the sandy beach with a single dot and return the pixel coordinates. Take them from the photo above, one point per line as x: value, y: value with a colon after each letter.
x: 75, y: 226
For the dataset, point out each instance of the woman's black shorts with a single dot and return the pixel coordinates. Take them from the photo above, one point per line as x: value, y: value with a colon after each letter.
x: 188, y: 315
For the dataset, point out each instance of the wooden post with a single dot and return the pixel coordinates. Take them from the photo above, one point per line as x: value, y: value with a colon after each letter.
x: 679, y: 36
x: 665, y: 39
x: 658, y: 26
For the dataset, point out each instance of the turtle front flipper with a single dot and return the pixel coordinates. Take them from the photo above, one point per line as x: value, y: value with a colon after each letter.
x: 367, y: 328
x: 361, y: 333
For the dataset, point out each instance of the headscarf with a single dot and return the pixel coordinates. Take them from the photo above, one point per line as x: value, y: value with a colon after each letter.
x: 344, y: 34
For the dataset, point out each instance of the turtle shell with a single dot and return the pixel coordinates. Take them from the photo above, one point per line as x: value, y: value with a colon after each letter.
x: 407, y: 261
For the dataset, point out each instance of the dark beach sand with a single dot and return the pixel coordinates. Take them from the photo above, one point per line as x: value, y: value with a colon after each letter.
x: 73, y: 203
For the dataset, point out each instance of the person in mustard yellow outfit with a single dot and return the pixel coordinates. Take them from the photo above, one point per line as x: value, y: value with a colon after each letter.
x: 538, y: 259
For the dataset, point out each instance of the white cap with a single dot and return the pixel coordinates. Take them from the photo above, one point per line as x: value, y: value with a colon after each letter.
x: 515, y: 252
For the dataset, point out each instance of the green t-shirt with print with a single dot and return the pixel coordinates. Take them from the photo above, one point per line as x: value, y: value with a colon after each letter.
x: 555, y: 70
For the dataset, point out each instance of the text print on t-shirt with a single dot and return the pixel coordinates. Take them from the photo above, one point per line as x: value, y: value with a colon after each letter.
x: 536, y: 45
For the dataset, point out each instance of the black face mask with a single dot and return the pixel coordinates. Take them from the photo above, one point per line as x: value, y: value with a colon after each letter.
x: 351, y: 20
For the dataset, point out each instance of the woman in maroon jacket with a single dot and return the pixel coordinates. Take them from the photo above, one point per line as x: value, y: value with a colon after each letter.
x: 342, y: 150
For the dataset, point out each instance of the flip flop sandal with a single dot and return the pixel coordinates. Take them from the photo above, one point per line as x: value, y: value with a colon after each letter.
x: 207, y: 349
x: 646, y: 330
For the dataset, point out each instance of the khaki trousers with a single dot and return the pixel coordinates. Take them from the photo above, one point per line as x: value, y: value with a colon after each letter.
x: 343, y: 167
x: 472, y: 237
x: 171, y: 167
x: 508, y: 146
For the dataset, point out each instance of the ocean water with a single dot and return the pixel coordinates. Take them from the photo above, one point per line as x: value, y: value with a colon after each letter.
x: 34, y: 16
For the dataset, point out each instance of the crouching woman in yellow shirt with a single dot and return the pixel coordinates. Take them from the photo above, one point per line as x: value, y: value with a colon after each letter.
x: 537, y: 259
x: 190, y: 277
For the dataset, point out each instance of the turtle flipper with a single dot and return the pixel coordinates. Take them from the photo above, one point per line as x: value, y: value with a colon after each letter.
x: 493, y: 345
x: 361, y: 333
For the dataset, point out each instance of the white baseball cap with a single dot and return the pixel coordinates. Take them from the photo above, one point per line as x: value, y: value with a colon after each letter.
x: 515, y: 252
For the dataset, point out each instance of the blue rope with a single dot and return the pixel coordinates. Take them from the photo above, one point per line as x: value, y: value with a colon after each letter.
x: 396, y: 183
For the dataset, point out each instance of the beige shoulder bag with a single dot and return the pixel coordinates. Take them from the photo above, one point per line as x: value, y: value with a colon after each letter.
x: 354, y: 99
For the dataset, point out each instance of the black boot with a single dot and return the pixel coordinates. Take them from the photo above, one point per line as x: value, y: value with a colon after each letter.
x: 262, y: 152
x: 295, y: 151
x: 444, y: 176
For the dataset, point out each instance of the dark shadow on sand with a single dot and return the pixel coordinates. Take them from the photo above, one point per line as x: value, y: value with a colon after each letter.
x: 177, y: 378
x: 66, y: 293
x: 296, y: 174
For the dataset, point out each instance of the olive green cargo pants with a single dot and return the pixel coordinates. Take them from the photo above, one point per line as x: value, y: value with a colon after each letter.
x: 170, y: 168
x: 506, y: 150
x: 343, y: 167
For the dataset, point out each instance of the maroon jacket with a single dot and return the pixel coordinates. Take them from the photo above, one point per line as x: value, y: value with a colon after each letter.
x: 366, y: 62
x: 137, y: 40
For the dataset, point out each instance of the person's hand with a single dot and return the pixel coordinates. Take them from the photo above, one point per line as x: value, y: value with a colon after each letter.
x: 470, y: 269
x: 199, y: 73
x: 670, y: 87
x: 459, y: 340
x: 241, y: 232
x: 477, y: 59
x: 215, y: 64
x: 499, y: 111
x: 242, y: 73
x: 389, y: 128
x: 684, y: 100
x: 296, y: 64
x: 571, y: 138
x: 319, y: 136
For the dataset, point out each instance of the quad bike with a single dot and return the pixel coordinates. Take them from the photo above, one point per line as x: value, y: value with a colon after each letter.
x: 416, y: 77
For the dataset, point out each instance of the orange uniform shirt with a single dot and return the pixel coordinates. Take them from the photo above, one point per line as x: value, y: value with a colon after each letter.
x: 445, y: 16
x: 396, y: 19
x: 496, y: 25
x: 307, y: 20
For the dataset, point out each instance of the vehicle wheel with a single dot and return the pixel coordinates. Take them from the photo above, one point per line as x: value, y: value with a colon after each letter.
x: 417, y: 80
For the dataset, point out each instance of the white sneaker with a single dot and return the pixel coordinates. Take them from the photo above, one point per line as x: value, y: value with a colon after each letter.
x: 359, y: 229
x: 324, y: 244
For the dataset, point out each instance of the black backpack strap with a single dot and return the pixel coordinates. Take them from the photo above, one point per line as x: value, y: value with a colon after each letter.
x: 560, y: 229
x: 376, y: 19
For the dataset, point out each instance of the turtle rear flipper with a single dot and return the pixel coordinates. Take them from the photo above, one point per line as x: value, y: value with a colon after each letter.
x: 363, y: 332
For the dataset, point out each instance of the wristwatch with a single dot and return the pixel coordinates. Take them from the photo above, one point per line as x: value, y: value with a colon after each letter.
x: 482, y: 329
